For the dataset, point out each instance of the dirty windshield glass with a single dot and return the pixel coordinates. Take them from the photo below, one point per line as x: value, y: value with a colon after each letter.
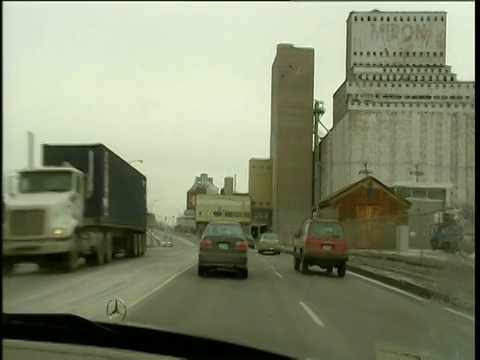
x: 45, y: 181
x: 224, y: 230
x: 335, y: 138
x: 326, y: 229
x: 270, y: 237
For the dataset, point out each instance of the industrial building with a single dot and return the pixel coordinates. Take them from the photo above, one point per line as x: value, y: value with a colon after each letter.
x: 291, y: 137
x: 232, y: 208
x: 260, y: 190
x: 203, y: 185
x: 401, y: 113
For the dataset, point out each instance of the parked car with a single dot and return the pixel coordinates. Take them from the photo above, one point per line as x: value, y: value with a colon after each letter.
x: 269, y: 243
x: 223, y: 246
x: 322, y: 243
x: 448, y: 238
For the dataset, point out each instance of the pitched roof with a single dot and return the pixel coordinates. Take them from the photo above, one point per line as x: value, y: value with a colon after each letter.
x: 354, y: 186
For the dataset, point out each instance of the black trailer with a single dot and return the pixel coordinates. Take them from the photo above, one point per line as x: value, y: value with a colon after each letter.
x: 115, y: 209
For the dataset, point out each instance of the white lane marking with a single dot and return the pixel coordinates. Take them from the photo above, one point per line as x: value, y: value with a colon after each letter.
x: 310, y: 312
x: 276, y: 272
x: 158, y: 287
x: 466, y: 316
x: 389, y: 287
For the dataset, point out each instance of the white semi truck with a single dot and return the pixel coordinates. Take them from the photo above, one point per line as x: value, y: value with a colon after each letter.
x: 84, y: 202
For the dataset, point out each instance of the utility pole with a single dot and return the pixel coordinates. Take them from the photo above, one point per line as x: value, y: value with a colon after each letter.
x: 365, y: 171
x: 318, y: 111
x: 417, y: 172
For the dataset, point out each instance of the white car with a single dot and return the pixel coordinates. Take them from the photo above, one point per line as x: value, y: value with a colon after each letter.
x: 166, y: 243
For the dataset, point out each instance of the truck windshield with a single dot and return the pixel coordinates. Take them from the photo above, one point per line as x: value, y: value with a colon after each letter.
x: 35, y: 182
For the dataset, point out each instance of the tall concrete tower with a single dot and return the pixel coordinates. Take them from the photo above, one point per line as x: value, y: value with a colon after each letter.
x: 291, y: 137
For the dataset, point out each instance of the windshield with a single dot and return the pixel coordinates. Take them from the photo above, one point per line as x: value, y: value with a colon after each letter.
x: 270, y: 237
x: 231, y: 230
x: 339, y: 135
x: 36, y: 182
x: 326, y: 229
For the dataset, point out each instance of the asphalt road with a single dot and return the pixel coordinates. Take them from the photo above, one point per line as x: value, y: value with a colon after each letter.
x: 87, y: 291
x: 306, y: 316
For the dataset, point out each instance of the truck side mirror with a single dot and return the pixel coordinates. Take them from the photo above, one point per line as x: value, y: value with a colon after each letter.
x: 298, y: 234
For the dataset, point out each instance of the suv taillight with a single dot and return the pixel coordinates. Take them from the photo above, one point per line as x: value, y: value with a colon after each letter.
x: 206, y: 244
x: 241, y: 246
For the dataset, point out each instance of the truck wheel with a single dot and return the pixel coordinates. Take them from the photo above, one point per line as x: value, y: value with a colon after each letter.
x: 303, y: 264
x: 136, y: 245
x: 98, y: 255
x: 341, y: 270
x: 141, y: 251
x: 108, y: 248
x: 329, y: 269
x: 129, y: 246
x: 144, y: 242
x: 70, y: 261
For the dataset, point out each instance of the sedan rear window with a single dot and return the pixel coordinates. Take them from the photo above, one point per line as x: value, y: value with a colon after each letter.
x: 326, y: 229
x: 270, y: 236
x: 224, y: 230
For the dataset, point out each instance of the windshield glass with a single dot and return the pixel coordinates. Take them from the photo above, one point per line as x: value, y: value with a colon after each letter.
x: 231, y: 230
x: 270, y: 237
x: 326, y: 229
x: 339, y: 135
x: 35, y: 182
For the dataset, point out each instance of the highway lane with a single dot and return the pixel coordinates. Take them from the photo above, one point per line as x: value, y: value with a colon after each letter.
x: 302, y: 316
x: 87, y: 291
x: 370, y: 315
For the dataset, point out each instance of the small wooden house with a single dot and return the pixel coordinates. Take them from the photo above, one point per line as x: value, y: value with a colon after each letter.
x: 370, y: 210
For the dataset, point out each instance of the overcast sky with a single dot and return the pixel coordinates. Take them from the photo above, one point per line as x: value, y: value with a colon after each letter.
x: 183, y: 86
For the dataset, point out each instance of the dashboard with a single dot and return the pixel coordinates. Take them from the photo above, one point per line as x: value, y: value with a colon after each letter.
x: 34, y: 350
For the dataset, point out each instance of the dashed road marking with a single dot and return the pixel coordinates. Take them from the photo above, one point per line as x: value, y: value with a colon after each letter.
x: 310, y: 312
x: 276, y: 272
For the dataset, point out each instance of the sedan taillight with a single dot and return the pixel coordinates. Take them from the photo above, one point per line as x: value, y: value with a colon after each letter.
x: 241, y: 246
x: 206, y: 244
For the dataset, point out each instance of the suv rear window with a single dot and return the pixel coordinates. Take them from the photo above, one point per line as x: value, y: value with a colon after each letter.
x: 224, y: 230
x: 326, y: 229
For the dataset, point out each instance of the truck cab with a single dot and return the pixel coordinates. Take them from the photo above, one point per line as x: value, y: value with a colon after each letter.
x: 42, y: 212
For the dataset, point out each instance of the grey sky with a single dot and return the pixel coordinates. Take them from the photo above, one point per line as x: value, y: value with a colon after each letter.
x: 183, y: 86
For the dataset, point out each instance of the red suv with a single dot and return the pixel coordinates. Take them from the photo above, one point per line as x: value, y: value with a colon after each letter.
x: 322, y: 243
